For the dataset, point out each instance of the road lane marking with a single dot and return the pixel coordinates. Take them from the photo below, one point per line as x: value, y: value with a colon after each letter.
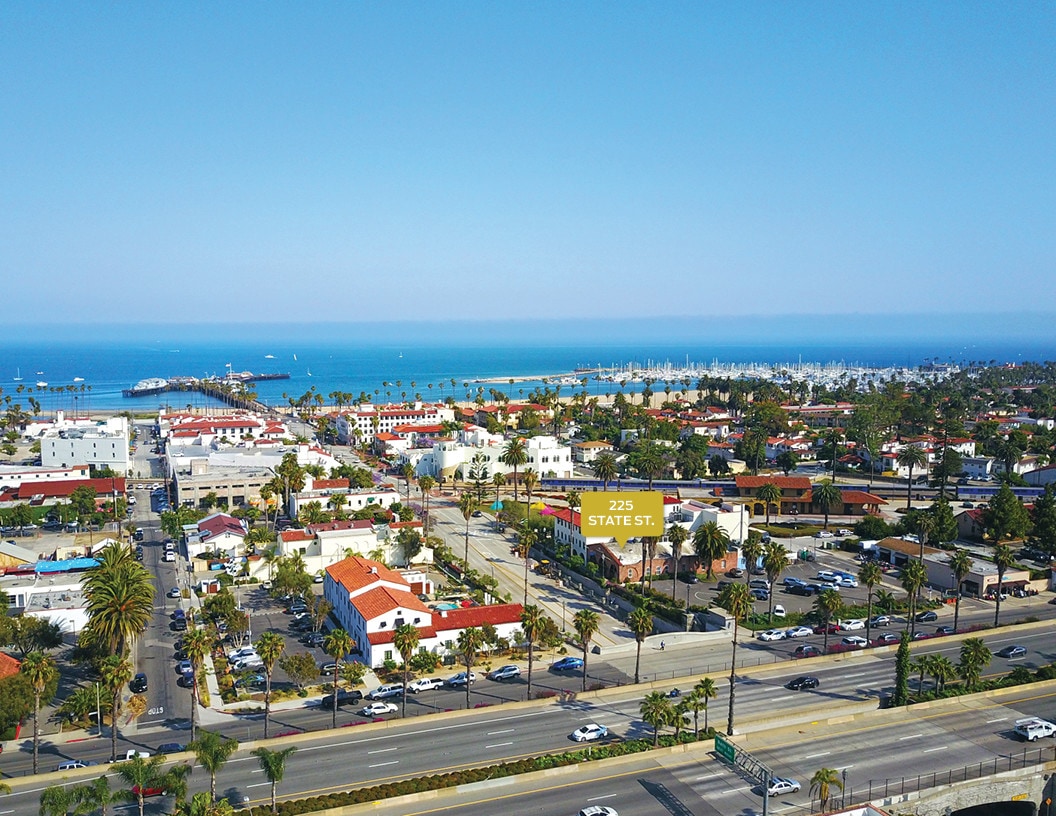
x: 782, y: 697
x: 843, y: 768
x: 856, y: 674
x: 259, y: 785
x: 382, y: 764
x: 383, y: 750
x: 932, y: 750
x: 503, y: 731
x: 499, y: 745
x: 815, y: 756
x: 595, y: 799
x: 911, y: 736
x: 999, y: 719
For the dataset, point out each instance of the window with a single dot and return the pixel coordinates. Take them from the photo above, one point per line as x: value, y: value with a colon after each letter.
x: 388, y: 654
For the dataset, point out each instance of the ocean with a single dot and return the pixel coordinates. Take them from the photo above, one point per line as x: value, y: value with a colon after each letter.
x: 86, y: 371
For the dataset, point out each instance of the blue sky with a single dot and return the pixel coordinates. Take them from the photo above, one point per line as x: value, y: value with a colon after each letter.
x: 349, y: 161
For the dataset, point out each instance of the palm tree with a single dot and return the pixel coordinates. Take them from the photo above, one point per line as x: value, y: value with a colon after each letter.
x: 115, y: 671
x: 97, y: 795
x: 640, y: 622
x: 466, y: 506
x: 751, y: 551
x: 270, y: 646
x: 174, y: 783
x: 498, y: 480
x: 703, y: 691
x: 212, y: 750
x: 920, y: 665
x: 426, y: 484
x: 710, y: 542
x: 1003, y: 559
x: 822, y: 783
x: 775, y: 561
x: 140, y: 774
x: 914, y: 576
x: 605, y: 468
x: 196, y: 644
x: 870, y: 575
x: 532, y: 622
x: 736, y: 599
x: 530, y: 480
x: 470, y: 642
x: 826, y: 496
x: 273, y: 763
x: 960, y: 565
x: 975, y: 657
x: 407, y: 471
x: 656, y: 711
x: 769, y: 494
x: 677, y: 535
x: 827, y: 605
x: 120, y: 600
x: 513, y: 455
x: 943, y: 670
x: 339, y: 644
x: 586, y: 623
x: 405, y: 638
x: 911, y: 457
x: 40, y: 671
x: 56, y: 800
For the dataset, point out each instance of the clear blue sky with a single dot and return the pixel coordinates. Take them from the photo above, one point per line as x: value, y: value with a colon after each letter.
x: 273, y: 162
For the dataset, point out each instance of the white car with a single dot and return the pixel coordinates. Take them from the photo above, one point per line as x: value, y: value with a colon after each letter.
x: 387, y: 690
x: 843, y: 531
x: 779, y: 611
x: 847, y: 581
x: 852, y: 625
x: 823, y: 534
x: 589, y: 732
x: 424, y: 684
x: 799, y: 631
x: 855, y: 641
x: 377, y: 709
x: 779, y: 785
x: 772, y: 634
x: 827, y: 575
x: 460, y: 679
x: 598, y: 810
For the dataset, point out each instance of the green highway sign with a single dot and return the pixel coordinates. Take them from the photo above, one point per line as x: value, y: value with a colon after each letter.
x: 725, y: 749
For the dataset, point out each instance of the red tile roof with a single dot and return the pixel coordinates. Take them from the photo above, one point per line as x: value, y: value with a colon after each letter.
x: 388, y: 635
x: 329, y: 484
x: 8, y: 666
x: 783, y: 482
x: 382, y: 599
x: 104, y: 488
x: 219, y: 524
x: 355, y: 573
x: 567, y: 515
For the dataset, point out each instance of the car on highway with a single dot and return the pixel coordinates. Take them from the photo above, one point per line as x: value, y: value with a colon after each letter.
x: 881, y: 620
x: 887, y: 638
x: 806, y: 650
x: 598, y: 810
x: 927, y: 616
x: 1012, y: 651
x: 567, y: 664
x: 780, y: 785
x: 505, y: 673
x: 385, y: 690
x: 852, y: 625
x: 377, y: 709
x: 184, y: 666
x: 462, y: 678
x: 798, y: 632
x: 589, y: 733
x: 174, y: 592
x: 802, y: 683
x: 855, y: 641
x: 73, y: 765
x: 424, y: 684
x: 178, y: 614
x: 944, y: 630
x: 138, y: 684
x: 169, y: 556
x: 147, y: 792
x: 171, y: 748
x: 922, y: 635
x: 772, y: 634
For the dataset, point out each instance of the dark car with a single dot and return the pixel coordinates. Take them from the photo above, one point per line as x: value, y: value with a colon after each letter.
x: 945, y: 630
x: 806, y: 650
x: 887, y: 638
x: 736, y: 572
x: 927, y: 616
x: 567, y: 664
x: 138, y: 684
x: 179, y: 625
x: 801, y: 683
x: 343, y: 696
x: 760, y: 595
x: 800, y: 589
x: 171, y: 748
x: 1012, y: 651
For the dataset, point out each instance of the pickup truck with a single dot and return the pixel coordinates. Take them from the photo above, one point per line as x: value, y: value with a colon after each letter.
x: 1031, y: 728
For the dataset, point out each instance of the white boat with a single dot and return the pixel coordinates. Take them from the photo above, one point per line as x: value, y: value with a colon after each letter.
x: 78, y: 379
x: 269, y: 356
x: 41, y: 384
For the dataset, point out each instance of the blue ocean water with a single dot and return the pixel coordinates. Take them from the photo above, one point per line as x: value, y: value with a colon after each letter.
x: 87, y: 371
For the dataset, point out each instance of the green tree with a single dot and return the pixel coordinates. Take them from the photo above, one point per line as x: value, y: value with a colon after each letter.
x: 98, y: 796
x: 974, y: 658
x: 212, y: 750
x: 751, y: 551
x: 140, y: 774
x: 40, y: 670
x: 1003, y: 559
x: 1005, y: 517
x: 703, y: 690
x: 943, y: 670
x: 640, y: 622
x: 273, y: 763
x: 736, y: 599
x: 270, y: 646
x: 532, y: 626
x: 470, y: 642
x: 657, y: 712
x: 115, y: 672
x: 586, y: 623
x: 827, y: 497
x: 1043, y: 531
x: 787, y: 461
x: 827, y: 606
x: 677, y: 535
x: 822, y: 783
x: 914, y: 576
x: 466, y: 506
x: 514, y: 455
x: 775, y: 561
x: 405, y: 638
x: 902, y: 664
x: 57, y: 800
x: 711, y: 543
x: 301, y: 668
x: 338, y: 644
x: 944, y: 526
x: 196, y: 644
x: 605, y: 468
x: 960, y: 562
x: 911, y: 457
x: 120, y: 600
x: 870, y: 575
x: 648, y: 460
x: 770, y: 495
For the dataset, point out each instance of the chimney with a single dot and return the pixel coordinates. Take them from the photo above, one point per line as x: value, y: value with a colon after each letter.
x: 373, y: 570
x: 443, y: 613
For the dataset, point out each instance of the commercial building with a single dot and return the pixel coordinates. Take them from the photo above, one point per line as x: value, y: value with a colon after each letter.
x: 68, y: 443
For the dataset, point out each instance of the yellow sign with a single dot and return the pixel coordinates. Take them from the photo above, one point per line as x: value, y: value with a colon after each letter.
x: 622, y: 515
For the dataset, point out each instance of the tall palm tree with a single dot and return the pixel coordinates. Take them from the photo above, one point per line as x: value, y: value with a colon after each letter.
x: 532, y: 622
x: 775, y: 561
x: 586, y: 623
x: 470, y: 642
x: 513, y: 455
x: 407, y: 472
x: 656, y: 711
x: 710, y: 542
x: 751, y: 551
x: 826, y: 496
x: 426, y: 484
x: 530, y: 480
x: 98, y: 796
x: 677, y: 535
x: 605, y: 468
x: 212, y: 750
x: 960, y: 565
x: 769, y: 494
x: 273, y: 763
x: 270, y: 646
x: 338, y: 644
x: 913, y: 577
x: 196, y: 644
x: 405, y: 638
x: 115, y: 671
x: 498, y: 480
x: 466, y: 506
x: 120, y: 600
x: 736, y: 599
x: 869, y: 575
x: 40, y: 670
x: 822, y: 783
x: 975, y: 656
x: 640, y: 622
x: 1003, y: 559
x: 827, y: 605
x: 704, y: 689
x: 56, y: 800
x: 911, y: 457
x: 140, y: 774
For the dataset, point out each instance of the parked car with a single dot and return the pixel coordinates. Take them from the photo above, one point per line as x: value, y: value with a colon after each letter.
x: 138, y: 684
x: 847, y: 581
x: 855, y: 642
x: 758, y: 583
x: 802, y: 683
x: 505, y: 673
x: 800, y: 589
x: 590, y: 732
x: 779, y: 611
x: 377, y: 709
x: 772, y: 634
x: 567, y: 664
x: 1012, y: 651
x: 343, y: 696
x: 887, y: 638
x: 175, y: 592
x: 806, y: 650
x: 799, y: 632
x: 927, y: 616
x: 823, y: 534
x: 880, y: 620
x: 313, y: 639
x: 852, y: 625
x: 736, y: 572
x: 462, y: 678
x: 791, y: 581
x: 832, y: 629
x: 843, y: 532
x: 385, y: 690
x: 760, y: 594
x: 424, y: 684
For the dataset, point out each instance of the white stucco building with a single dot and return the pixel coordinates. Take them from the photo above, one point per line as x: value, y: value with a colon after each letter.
x: 546, y: 456
x: 68, y: 443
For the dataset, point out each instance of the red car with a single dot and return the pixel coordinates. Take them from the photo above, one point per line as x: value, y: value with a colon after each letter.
x: 147, y: 792
x: 832, y: 627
